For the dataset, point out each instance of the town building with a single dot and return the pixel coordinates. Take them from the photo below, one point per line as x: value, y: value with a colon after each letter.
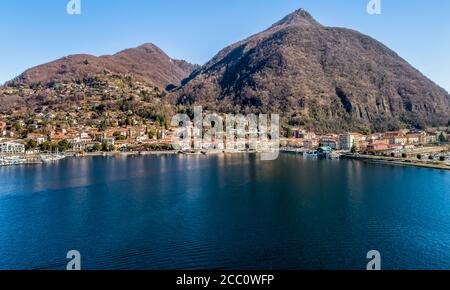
x: 85, y: 146
x: 57, y: 136
x: 413, y: 138
x: 398, y: 140
x: 12, y: 148
x: 378, y: 146
x: 38, y: 138
x: 311, y: 143
x: 347, y: 141
x: 295, y: 142
x: 329, y: 141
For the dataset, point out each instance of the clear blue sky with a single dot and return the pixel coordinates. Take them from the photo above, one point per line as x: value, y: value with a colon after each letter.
x: 35, y: 32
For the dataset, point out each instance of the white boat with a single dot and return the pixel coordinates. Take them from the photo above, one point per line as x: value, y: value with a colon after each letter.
x: 52, y: 157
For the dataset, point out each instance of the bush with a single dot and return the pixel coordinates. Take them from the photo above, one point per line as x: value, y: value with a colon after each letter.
x: 158, y: 147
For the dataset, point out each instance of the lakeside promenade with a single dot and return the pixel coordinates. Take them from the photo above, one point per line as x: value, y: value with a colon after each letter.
x: 398, y: 161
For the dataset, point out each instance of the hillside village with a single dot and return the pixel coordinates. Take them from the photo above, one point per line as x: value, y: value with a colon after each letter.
x: 155, y: 137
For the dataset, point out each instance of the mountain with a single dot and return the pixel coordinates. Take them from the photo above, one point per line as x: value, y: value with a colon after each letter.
x: 146, y: 63
x: 322, y: 78
x: 125, y: 88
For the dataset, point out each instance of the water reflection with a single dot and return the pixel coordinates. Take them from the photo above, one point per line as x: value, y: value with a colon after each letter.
x: 223, y: 211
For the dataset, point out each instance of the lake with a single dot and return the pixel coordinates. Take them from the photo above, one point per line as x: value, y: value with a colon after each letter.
x: 223, y: 212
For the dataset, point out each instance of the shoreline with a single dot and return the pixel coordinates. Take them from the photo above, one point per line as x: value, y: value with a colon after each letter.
x: 111, y: 154
x: 396, y: 161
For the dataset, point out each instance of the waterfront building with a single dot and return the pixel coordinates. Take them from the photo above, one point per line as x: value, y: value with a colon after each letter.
x: 378, y: 146
x: 12, y: 148
x: 85, y: 146
x: 122, y: 144
x: 329, y: 142
x: 311, y: 143
x: 346, y: 141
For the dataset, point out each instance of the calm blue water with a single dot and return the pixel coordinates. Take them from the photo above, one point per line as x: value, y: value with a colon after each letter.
x: 196, y: 212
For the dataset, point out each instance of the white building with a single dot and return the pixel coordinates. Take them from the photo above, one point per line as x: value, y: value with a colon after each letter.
x: 346, y: 141
x: 12, y: 148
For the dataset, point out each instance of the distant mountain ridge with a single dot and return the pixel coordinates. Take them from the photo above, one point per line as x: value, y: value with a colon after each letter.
x: 146, y: 63
x: 318, y: 77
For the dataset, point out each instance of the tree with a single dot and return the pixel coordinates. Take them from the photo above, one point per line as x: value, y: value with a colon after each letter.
x: 419, y: 156
x: 31, y: 145
x: 354, y: 148
x: 442, y: 137
x: 106, y: 147
x: 64, y: 145
x: 97, y: 147
x: 46, y: 146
